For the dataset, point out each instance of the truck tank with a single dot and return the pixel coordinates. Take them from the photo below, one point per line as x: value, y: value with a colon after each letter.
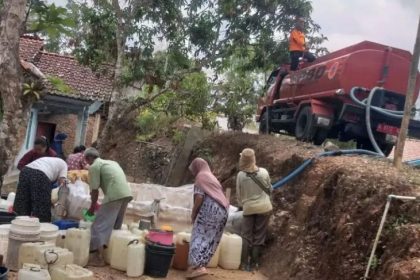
x: 366, y: 64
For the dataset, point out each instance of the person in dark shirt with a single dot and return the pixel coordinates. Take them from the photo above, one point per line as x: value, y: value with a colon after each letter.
x: 41, y: 149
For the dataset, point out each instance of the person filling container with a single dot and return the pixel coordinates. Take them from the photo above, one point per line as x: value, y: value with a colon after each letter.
x: 33, y: 194
x: 108, y: 176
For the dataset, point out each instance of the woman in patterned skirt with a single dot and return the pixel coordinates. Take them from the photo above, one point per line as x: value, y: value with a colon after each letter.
x: 209, y: 216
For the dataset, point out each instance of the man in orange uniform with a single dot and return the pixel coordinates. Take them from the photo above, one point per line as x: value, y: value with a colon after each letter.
x: 297, y: 46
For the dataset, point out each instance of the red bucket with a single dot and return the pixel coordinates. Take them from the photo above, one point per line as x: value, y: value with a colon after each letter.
x: 162, y: 237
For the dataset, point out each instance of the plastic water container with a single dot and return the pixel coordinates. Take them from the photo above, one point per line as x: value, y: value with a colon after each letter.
x: 136, y: 259
x: 28, y: 251
x: 11, y: 198
x: 61, y: 238
x: 33, y: 272
x: 85, y: 224
x: 66, y: 224
x: 158, y: 259
x: 161, y: 237
x: 4, y: 240
x: 53, y: 257
x: 71, y: 272
x: 23, y: 229
x: 108, y: 250
x: 180, y: 260
x: 214, y: 261
x: 78, y: 242
x: 230, y: 251
x: 120, y: 251
x: 49, y: 233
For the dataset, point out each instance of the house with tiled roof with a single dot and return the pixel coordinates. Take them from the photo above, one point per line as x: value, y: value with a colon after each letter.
x: 78, y: 111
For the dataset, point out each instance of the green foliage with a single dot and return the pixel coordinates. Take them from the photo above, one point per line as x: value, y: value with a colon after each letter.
x: 59, y: 84
x: 32, y: 89
x: 49, y: 21
x: 375, y: 262
x: 94, y: 38
x: 237, y: 94
x: 189, y: 99
x: 211, y: 31
x: 151, y: 124
x: 178, y: 137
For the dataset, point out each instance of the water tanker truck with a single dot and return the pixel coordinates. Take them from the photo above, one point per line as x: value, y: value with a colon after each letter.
x: 356, y: 93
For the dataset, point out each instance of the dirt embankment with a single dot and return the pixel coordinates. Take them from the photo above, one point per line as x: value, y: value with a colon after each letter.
x: 324, y: 222
x: 141, y: 161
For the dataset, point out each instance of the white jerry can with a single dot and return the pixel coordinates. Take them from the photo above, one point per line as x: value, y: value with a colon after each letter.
x: 230, y: 251
x: 28, y: 252
x: 78, y: 242
x: 120, y: 250
x: 33, y: 272
x: 136, y: 258
x: 71, y: 272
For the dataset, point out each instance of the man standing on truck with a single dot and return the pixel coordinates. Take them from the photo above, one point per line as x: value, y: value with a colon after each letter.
x: 297, y: 45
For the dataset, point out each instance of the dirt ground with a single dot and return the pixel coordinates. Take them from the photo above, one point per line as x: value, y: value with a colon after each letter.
x: 108, y: 273
x: 325, y: 220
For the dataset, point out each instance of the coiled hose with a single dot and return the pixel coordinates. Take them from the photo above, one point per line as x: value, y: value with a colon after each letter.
x: 367, y: 103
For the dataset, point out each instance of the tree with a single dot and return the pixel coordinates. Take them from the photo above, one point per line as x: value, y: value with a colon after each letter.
x: 236, y: 97
x: 14, y: 106
x: 209, y: 32
x: 50, y: 22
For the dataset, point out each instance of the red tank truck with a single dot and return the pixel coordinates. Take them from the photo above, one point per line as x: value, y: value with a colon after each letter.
x: 314, y: 103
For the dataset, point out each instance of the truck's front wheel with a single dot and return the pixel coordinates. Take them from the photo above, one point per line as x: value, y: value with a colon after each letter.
x: 304, y: 124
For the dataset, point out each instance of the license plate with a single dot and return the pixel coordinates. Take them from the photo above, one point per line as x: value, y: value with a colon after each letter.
x: 388, y: 129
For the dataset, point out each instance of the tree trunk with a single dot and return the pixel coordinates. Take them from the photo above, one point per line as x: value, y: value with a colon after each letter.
x: 15, y: 111
x: 116, y: 95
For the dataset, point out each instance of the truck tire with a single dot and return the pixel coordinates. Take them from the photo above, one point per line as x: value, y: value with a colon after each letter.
x: 264, y: 128
x: 304, y: 124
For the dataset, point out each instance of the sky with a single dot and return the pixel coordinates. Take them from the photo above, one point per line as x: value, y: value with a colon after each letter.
x: 345, y: 22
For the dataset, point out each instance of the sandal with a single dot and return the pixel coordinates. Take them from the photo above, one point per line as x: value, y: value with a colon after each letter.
x: 198, y: 272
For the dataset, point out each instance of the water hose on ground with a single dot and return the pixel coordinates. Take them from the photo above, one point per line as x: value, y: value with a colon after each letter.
x: 309, y: 161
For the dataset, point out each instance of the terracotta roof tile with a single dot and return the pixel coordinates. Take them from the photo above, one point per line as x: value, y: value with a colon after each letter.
x: 85, y: 83
x: 29, y: 47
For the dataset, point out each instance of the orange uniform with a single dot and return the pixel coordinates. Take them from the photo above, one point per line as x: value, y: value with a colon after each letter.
x: 297, y: 41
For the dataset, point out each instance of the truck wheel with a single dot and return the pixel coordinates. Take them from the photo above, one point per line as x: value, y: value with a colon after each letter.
x: 264, y: 126
x: 304, y: 124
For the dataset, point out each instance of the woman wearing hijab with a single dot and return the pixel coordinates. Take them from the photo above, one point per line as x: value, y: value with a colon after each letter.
x: 253, y: 189
x: 41, y: 149
x: 209, y: 216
